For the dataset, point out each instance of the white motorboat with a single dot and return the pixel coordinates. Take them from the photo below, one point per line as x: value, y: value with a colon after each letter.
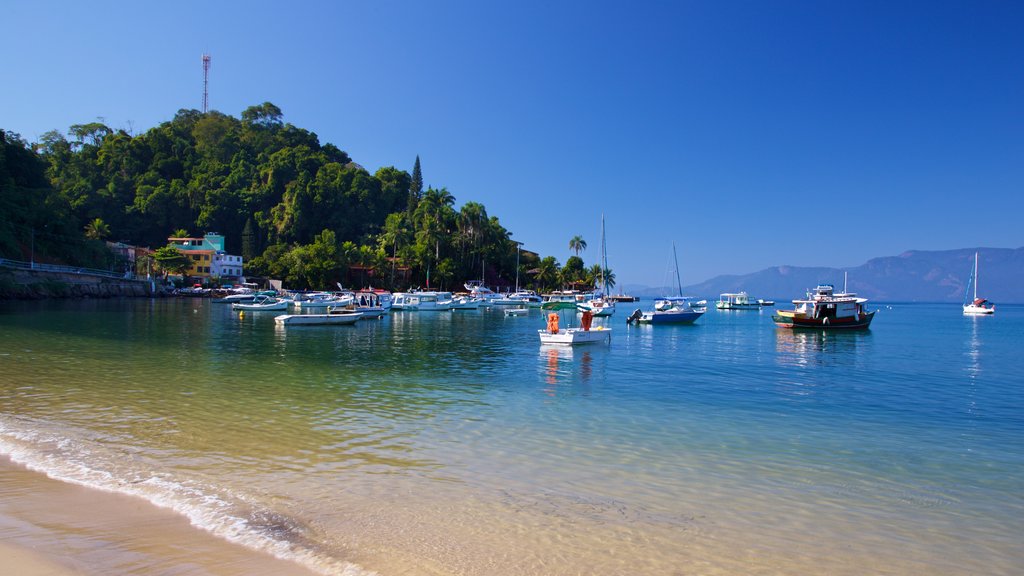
x: 466, y: 303
x: 262, y: 302
x: 576, y: 336
x: 337, y: 317
x: 517, y: 311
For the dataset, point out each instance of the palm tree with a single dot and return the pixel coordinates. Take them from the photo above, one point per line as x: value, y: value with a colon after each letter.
x: 97, y: 229
x: 577, y: 244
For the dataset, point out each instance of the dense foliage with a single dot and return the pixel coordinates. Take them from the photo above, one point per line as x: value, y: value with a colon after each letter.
x: 294, y: 208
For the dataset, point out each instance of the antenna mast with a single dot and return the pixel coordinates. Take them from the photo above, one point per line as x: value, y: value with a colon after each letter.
x: 206, y: 81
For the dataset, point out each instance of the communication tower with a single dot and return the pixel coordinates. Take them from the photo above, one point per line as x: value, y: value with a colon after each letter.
x: 206, y: 81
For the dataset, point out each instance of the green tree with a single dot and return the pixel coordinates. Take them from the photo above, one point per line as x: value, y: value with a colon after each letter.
x: 97, y: 229
x: 415, y: 185
x: 548, y: 273
x: 171, y: 260
x: 577, y: 244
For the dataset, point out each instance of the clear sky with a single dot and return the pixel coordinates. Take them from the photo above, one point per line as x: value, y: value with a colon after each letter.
x: 751, y: 133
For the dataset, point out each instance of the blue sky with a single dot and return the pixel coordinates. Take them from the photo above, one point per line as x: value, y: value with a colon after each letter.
x: 751, y: 134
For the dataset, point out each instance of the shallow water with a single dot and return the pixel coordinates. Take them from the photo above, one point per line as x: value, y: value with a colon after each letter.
x: 453, y: 443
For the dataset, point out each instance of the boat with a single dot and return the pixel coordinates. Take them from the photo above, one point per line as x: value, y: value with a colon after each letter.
x: 466, y: 303
x: 261, y: 302
x: 977, y: 305
x: 322, y: 301
x: 670, y: 309
x: 825, y: 309
x: 623, y: 298
x: 765, y: 303
x: 599, y: 304
x: 553, y: 334
x: 477, y: 289
x: 335, y: 318
x: 736, y: 301
x: 423, y: 301
x: 527, y: 298
x: 523, y: 311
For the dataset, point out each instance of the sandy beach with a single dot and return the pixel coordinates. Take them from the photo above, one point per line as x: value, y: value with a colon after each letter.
x: 52, y: 528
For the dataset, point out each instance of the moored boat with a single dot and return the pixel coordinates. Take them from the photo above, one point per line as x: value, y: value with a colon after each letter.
x: 977, y: 305
x: 670, y: 309
x: 736, y: 301
x: 338, y: 317
x: 262, y: 302
x: 553, y: 334
x: 825, y: 309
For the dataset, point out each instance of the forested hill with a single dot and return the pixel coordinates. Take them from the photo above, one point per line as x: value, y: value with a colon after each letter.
x: 914, y: 276
x: 293, y: 207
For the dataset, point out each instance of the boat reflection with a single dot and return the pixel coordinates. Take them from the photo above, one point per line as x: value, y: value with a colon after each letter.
x: 799, y: 348
x: 559, y: 365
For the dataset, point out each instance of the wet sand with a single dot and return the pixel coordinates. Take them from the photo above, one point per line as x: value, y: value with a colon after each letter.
x: 54, y: 528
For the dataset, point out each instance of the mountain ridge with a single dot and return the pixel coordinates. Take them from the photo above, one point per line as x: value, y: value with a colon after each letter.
x: 911, y: 276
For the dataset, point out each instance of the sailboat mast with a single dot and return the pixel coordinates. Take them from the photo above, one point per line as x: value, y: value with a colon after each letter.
x: 604, y: 260
x: 975, y: 275
x: 679, y: 284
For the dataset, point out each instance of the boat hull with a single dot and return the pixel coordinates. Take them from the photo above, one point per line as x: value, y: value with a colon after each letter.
x: 796, y: 321
x: 687, y: 317
x: 971, y: 310
x: 335, y: 319
x: 572, y: 336
x: 276, y: 306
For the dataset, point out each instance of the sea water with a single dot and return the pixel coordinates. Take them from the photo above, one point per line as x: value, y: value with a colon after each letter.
x: 455, y: 443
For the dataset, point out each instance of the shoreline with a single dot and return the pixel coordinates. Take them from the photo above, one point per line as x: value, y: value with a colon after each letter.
x: 56, y: 528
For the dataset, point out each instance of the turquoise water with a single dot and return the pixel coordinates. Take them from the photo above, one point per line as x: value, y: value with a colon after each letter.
x: 453, y: 443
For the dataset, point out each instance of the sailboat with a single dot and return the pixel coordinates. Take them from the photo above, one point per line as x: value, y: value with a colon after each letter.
x: 600, y: 304
x: 670, y: 309
x: 977, y: 306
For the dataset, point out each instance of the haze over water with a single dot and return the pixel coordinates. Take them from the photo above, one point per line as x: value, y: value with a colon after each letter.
x: 453, y: 443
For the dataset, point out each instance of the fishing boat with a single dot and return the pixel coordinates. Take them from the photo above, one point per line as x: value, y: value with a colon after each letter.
x: 584, y: 334
x: 736, y: 301
x: 825, y: 309
x: 335, y: 318
x: 670, y: 309
x: 262, y: 302
x: 977, y: 305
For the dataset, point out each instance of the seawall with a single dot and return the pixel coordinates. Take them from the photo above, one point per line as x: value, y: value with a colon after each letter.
x: 18, y: 284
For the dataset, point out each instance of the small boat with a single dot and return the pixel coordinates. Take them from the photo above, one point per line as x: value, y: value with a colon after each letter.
x: 670, y: 309
x: 765, y: 303
x: 570, y: 336
x: 516, y: 311
x: 423, y: 301
x: 466, y: 303
x: 598, y: 306
x: 825, y: 309
x: 336, y: 317
x: 736, y: 301
x: 977, y: 305
x: 623, y: 298
x: 318, y: 300
x: 261, y: 302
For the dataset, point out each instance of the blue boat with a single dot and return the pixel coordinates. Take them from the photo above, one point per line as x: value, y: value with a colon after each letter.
x: 670, y: 309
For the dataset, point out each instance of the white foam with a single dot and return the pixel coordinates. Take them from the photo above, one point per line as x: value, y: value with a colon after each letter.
x: 214, y: 510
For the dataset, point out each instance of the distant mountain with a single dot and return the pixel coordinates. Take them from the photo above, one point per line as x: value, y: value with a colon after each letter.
x: 914, y: 276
